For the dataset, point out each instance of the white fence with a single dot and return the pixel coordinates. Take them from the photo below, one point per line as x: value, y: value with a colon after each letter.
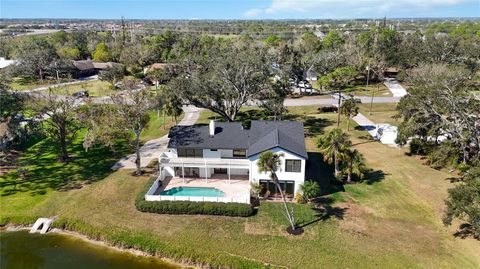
x: 151, y: 196
x: 243, y: 200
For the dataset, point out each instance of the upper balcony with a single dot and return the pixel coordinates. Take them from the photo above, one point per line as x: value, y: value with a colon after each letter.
x: 170, y: 160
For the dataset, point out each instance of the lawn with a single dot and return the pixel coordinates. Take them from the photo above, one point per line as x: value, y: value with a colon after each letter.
x: 392, y: 220
x: 155, y: 126
x: 360, y: 89
x: 379, y: 89
x: 95, y: 88
x: 23, y: 84
x: 381, y: 113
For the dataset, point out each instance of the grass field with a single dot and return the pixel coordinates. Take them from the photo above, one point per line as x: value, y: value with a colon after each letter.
x: 23, y: 84
x: 379, y: 89
x: 392, y: 220
x: 381, y: 113
x: 155, y: 126
x: 95, y: 88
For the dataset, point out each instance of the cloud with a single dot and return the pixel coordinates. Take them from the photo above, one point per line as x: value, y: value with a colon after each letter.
x: 349, y: 8
x: 253, y: 12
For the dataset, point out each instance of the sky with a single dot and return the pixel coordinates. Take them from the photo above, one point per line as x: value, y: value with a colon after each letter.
x: 238, y: 9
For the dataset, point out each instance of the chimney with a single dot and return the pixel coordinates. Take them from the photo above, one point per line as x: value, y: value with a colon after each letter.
x: 211, y: 128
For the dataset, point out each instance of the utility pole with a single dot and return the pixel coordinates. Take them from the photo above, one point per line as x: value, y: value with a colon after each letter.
x: 123, y: 31
x: 368, y: 77
x: 339, y: 104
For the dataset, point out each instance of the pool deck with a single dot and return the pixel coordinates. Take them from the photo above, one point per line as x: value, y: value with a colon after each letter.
x: 238, y: 186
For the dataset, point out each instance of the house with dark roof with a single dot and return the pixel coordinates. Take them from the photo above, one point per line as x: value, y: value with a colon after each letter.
x: 89, y: 68
x: 227, y: 150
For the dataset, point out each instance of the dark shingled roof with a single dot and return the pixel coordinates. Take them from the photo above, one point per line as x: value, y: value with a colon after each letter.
x: 262, y: 135
x: 83, y: 65
x: 90, y: 65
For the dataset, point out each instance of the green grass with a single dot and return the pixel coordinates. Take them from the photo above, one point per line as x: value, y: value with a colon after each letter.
x: 155, y: 126
x: 379, y: 89
x: 95, y: 88
x: 392, y: 220
x: 360, y: 89
x: 22, y: 84
x: 381, y: 113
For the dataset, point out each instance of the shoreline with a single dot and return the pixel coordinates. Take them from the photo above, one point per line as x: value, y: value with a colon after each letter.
x: 136, y: 252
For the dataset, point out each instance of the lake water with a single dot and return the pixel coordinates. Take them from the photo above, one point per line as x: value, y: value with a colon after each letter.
x: 21, y: 250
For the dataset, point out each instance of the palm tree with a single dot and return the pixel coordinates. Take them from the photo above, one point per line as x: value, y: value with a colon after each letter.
x: 333, y: 146
x: 271, y: 162
x: 355, y: 164
x: 310, y: 190
x: 349, y: 108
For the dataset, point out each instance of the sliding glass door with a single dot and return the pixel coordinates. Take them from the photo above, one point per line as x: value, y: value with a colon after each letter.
x: 269, y: 188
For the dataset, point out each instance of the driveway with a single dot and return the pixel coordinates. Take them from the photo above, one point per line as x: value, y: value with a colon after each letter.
x: 395, y: 87
x: 153, y: 148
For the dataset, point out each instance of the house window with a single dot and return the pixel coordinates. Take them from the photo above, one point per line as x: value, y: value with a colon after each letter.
x: 213, y: 149
x: 239, y: 153
x: 190, y: 153
x: 293, y: 166
x: 269, y: 189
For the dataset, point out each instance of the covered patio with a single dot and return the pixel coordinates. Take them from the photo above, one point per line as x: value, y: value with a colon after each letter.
x: 207, y: 169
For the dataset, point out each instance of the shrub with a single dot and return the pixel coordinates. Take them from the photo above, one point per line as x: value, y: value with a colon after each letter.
x: 419, y: 147
x: 328, y: 109
x: 153, y: 163
x: 194, y: 208
x: 310, y: 190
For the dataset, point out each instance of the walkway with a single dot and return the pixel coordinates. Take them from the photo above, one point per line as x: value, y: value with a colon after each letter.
x: 153, y: 148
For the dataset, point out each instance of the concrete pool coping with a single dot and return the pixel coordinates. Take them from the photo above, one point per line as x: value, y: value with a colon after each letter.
x: 233, y: 188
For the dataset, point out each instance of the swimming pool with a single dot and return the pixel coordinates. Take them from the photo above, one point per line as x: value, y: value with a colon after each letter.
x: 194, y: 191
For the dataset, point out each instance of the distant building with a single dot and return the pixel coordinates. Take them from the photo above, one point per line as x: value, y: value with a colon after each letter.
x: 390, y: 72
x: 86, y: 68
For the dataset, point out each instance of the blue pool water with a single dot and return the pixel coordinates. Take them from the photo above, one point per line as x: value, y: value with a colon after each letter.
x: 194, y: 191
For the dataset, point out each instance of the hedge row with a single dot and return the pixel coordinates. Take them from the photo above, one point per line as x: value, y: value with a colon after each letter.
x: 195, y: 208
x: 190, y: 208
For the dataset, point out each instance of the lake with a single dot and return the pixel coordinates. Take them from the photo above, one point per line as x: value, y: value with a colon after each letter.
x: 51, y: 251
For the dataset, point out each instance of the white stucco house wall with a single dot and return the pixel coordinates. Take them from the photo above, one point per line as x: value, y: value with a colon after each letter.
x: 228, y: 150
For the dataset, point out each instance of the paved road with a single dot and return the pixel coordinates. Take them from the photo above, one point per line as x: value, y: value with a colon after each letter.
x: 153, y: 148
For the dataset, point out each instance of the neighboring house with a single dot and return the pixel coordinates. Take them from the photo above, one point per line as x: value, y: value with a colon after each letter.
x: 390, y: 72
x: 227, y: 150
x: 85, y: 68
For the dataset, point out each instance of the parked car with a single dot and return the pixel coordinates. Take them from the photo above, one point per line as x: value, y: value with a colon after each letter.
x: 80, y: 94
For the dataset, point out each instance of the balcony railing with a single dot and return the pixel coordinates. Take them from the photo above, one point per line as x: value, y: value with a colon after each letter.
x: 205, y: 162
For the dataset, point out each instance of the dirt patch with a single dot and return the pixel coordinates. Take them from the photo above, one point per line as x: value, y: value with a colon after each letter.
x: 9, y: 162
x: 354, y: 219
